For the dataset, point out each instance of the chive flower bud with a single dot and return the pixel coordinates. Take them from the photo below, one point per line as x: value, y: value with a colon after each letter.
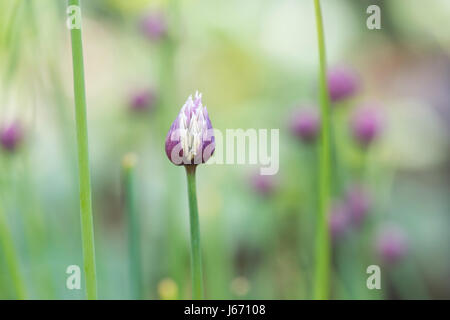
x: 142, y: 100
x: 305, y: 124
x: 338, y: 221
x: 342, y: 83
x: 358, y: 202
x: 365, y: 125
x: 154, y: 26
x: 190, y: 139
x: 391, y: 244
x: 263, y: 184
x: 10, y: 136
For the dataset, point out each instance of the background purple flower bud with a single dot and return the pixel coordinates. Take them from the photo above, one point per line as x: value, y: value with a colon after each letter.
x: 342, y: 83
x: 10, y: 136
x: 391, y: 244
x: 358, y: 202
x: 264, y: 185
x: 305, y: 124
x: 154, y: 25
x: 365, y: 125
x: 338, y: 220
x: 142, y: 100
x: 190, y: 139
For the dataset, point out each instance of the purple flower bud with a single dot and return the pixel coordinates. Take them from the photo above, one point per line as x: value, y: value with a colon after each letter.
x: 342, y: 83
x: 338, y: 220
x: 263, y: 184
x: 154, y: 26
x: 10, y: 136
x: 305, y: 124
x: 366, y: 125
x: 190, y: 139
x: 142, y: 100
x: 358, y: 202
x: 391, y: 244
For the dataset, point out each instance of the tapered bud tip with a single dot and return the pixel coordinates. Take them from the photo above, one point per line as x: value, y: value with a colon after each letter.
x: 142, y: 99
x: 190, y: 139
x: 154, y: 26
x: 366, y: 124
x: 305, y: 124
x: 391, y: 244
x: 11, y: 136
x: 342, y: 83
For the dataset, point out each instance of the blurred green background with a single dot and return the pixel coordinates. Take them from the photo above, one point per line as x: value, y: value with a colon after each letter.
x: 255, y: 62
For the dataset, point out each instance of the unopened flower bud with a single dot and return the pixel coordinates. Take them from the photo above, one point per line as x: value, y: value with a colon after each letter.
x: 190, y: 139
x: 305, y: 124
x: 366, y: 125
x: 10, y: 136
x: 342, y: 83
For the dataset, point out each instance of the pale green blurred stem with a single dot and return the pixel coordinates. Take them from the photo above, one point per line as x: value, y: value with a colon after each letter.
x: 196, y: 255
x: 7, y: 247
x: 134, y: 234
x: 87, y: 225
x: 322, y: 272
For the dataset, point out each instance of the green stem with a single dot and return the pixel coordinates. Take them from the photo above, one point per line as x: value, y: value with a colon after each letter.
x: 134, y: 234
x: 196, y: 256
x: 87, y: 224
x: 6, y: 243
x: 322, y: 274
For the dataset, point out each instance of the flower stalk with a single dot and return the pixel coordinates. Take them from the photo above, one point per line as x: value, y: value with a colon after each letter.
x: 196, y: 255
x: 322, y: 269
x: 134, y: 234
x: 87, y: 225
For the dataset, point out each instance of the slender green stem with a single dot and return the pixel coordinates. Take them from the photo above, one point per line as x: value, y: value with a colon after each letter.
x: 196, y: 255
x: 7, y: 246
x: 87, y: 224
x: 322, y: 274
x: 134, y: 234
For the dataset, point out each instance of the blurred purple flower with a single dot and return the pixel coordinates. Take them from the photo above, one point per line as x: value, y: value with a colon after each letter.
x: 342, y: 83
x: 141, y: 100
x: 366, y: 124
x: 10, y: 136
x: 154, y: 25
x: 305, y: 124
x: 338, y: 220
x: 263, y: 184
x: 190, y: 139
x: 358, y: 202
x: 391, y: 244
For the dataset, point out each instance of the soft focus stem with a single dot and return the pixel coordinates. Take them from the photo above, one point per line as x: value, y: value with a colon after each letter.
x: 7, y: 246
x: 196, y: 256
x: 87, y: 225
x: 322, y: 274
x: 134, y: 234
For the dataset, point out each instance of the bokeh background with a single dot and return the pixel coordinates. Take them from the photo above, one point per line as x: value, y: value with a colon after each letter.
x: 256, y: 63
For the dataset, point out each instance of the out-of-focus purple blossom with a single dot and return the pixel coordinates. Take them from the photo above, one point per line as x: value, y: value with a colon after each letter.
x: 264, y: 185
x: 366, y: 124
x: 190, y: 139
x: 391, y: 244
x: 10, y: 136
x: 342, y: 83
x: 154, y: 25
x: 305, y: 124
x: 338, y: 220
x: 142, y: 100
x: 358, y: 202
